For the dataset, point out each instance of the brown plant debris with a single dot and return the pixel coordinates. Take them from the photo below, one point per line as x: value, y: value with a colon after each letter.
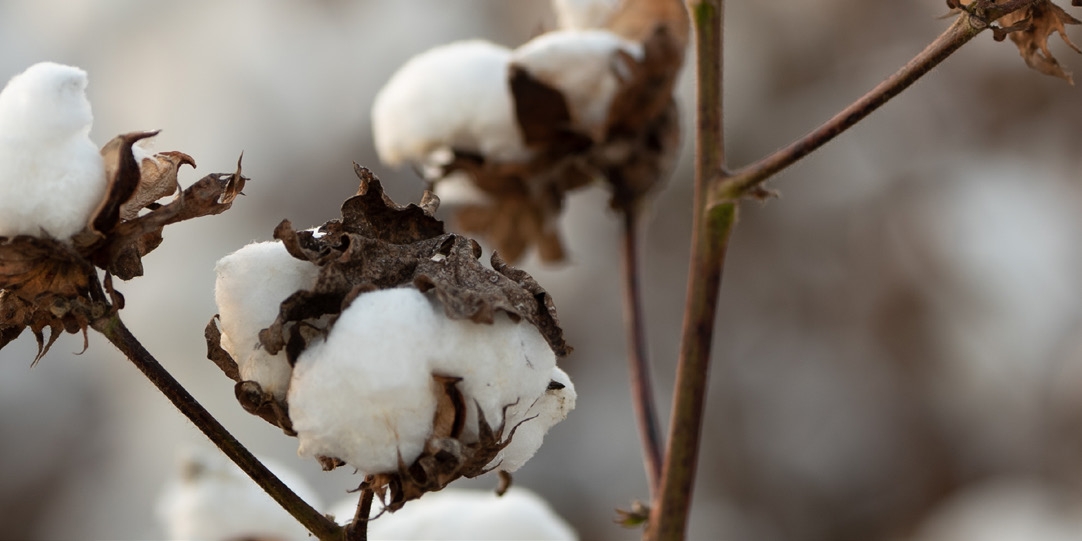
x: 1029, y: 28
x: 53, y: 284
x: 380, y: 245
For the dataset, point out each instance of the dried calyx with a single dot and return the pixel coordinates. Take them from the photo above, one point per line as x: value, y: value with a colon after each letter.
x: 383, y: 342
x: 50, y: 283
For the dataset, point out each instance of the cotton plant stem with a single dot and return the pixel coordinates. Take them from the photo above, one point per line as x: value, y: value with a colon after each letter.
x: 642, y: 388
x: 741, y: 182
x: 117, y: 333
x: 712, y: 225
x: 358, y: 529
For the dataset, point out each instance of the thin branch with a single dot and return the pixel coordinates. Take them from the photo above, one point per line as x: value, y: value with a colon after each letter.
x: 358, y: 528
x: 743, y: 181
x: 712, y: 226
x: 320, y: 526
x: 642, y: 388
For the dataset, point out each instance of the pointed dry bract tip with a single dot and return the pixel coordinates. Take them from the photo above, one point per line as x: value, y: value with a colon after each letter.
x: 430, y: 202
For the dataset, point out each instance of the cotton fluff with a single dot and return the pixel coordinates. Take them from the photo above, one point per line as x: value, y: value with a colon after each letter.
x: 52, y: 176
x: 252, y: 282
x: 454, y: 96
x: 457, y: 514
x: 583, y: 14
x: 551, y: 408
x: 585, y: 66
x: 211, y: 499
x: 367, y: 394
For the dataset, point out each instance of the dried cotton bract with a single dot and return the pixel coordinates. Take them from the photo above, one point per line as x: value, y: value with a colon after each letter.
x: 52, y: 176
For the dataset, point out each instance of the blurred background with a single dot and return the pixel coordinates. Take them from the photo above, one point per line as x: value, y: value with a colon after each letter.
x: 897, y: 354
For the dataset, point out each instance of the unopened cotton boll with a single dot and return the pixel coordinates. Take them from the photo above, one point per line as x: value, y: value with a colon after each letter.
x: 586, y: 66
x: 366, y: 394
x: 211, y: 499
x: 550, y: 408
x: 583, y: 14
x: 454, y: 96
x: 466, y: 515
x: 251, y: 285
x: 52, y: 175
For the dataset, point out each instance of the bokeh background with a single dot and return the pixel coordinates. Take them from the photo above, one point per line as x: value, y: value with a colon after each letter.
x: 897, y: 354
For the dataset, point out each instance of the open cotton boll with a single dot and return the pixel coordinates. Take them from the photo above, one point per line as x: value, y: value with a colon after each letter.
x: 584, y: 65
x: 366, y: 394
x: 251, y: 285
x: 583, y: 14
x: 551, y: 408
x: 456, y: 514
x: 211, y: 499
x: 452, y: 96
x: 52, y: 175
x: 503, y: 364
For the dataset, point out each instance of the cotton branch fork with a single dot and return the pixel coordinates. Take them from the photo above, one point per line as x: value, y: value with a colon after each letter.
x: 964, y: 28
x: 715, y: 210
x: 320, y: 526
x: 642, y: 388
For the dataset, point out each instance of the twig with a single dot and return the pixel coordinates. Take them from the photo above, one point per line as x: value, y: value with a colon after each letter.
x: 358, y: 529
x: 642, y: 388
x: 320, y: 526
x: 741, y: 182
x: 712, y: 225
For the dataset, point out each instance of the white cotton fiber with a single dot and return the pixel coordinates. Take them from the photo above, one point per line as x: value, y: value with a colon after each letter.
x: 252, y: 282
x: 466, y: 515
x: 366, y: 394
x: 584, y: 65
x: 211, y: 499
x: 454, y: 96
x: 551, y: 408
x: 583, y: 14
x: 52, y: 176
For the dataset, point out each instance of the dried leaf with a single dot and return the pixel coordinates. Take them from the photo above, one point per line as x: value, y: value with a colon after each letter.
x: 1038, y: 22
x: 380, y: 245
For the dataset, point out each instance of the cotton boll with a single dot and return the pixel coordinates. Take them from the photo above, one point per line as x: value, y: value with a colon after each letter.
x: 584, y: 65
x: 503, y: 364
x: 210, y: 498
x: 551, y: 408
x: 366, y: 394
x: 452, y: 96
x: 583, y: 14
x: 252, y: 282
x: 52, y: 175
x: 455, y: 514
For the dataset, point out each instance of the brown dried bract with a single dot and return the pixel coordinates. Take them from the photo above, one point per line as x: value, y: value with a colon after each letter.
x: 1029, y: 28
x: 380, y: 245
x: 53, y: 284
x: 445, y: 459
x: 634, y: 155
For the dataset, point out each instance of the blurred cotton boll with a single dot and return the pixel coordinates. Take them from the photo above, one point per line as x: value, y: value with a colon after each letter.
x: 51, y: 174
x: 466, y: 515
x: 211, y: 499
x: 454, y: 96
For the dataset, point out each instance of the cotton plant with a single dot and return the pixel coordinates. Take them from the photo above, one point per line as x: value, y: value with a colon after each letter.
x: 382, y: 343
x: 588, y: 100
